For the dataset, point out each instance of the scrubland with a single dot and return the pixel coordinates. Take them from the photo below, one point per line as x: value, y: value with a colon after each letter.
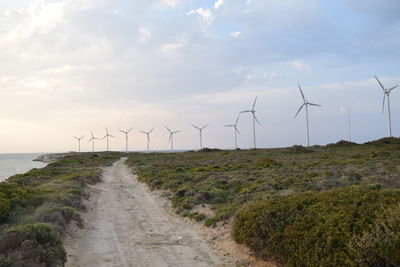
x: 36, y: 207
x: 336, y: 205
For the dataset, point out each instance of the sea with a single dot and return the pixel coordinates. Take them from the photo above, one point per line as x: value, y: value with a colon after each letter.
x: 11, y: 164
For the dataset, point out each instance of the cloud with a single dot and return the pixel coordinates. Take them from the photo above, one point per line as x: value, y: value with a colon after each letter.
x: 218, y: 4
x: 235, y: 34
x: 144, y: 35
x: 205, y: 14
x: 171, y: 3
x: 300, y: 65
x: 176, y: 46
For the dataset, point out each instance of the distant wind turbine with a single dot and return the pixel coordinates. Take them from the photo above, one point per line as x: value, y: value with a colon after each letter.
x: 386, y: 92
x: 126, y: 138
x: 305, y: 104
x: 93, y: 139
x: 148, y: 138
x: 79, y: 142
x: 253, y: 111
x: 234, y: 126
x: 201, y: 134
x: 171, y: 137
x: 106, y: 136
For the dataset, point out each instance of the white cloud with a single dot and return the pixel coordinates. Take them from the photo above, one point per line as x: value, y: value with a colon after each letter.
x: 300, y: 65
x: 205, y: 14
x: 235, y: 34
x: 218, y: 4
x: 171, y: 3
x: 172, y: 47
x: 144, y: 35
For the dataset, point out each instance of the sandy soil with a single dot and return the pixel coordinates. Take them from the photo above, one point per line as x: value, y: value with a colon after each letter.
x: 127, y: 225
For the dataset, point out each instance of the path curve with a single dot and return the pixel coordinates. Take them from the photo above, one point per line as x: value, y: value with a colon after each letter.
x: 126, y: 226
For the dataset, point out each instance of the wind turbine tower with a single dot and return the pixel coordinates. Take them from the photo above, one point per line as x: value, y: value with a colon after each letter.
x: 306, y: 104
x: 171, y: 137
x: 234, y: 126
x: 106, y: 136
x: 148, y: 138
x: 253, y: 112
x: 201, y: 134
x: 93, y: 140
x: 386, y: 92
x: 126, y: 138
x: 79, y: 142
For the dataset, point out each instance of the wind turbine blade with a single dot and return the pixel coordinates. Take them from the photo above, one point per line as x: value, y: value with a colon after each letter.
x: 237, y: 119
x: 205, y: 126
x: 254, y: 104
x: 90, y: 140
x: 142, y: 132
x: 383, y: 104
x: 111, y: 135
x: 237, y: 131
x: 245, y: 111
x: 129, y: 130
x: 122, y: 131
x: 151, y: 129
x: 383, y: 88
x: 312, y: 104
x: 75, y: 137
x: 229, y: 126
x: 393, y: 88
x: 176, y: 132
x: 169, y: 130
x: 196, y: 127
x: 301, y: 92
x: 82, y: 137
x: 256, y: 119
x: 299, y: 110
x: 92, y: 133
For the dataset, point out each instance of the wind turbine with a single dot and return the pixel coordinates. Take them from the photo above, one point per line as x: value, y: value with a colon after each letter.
x: 106, y: 136
x: 171, y: 137
x: 235, y: 129
x: 126, y: 138
x: 148, y: 138
x: 386, y: 92
x: 305, y: 104
x: 92, y: 139
x: 201, y: 134
x: 253, y: 111
x: 79, y: 142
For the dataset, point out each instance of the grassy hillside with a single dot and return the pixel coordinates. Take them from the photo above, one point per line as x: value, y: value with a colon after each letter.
x: 341, y: 191
x: 35, y: 208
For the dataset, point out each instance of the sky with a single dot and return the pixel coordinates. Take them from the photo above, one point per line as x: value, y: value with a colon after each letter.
x: 69, y: 67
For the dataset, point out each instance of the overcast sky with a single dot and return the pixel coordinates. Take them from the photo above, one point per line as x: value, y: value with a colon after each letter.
x: 72, y: 66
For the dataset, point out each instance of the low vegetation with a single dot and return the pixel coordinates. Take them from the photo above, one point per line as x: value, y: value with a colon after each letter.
x: 315, y: 206
x: 36, y: 207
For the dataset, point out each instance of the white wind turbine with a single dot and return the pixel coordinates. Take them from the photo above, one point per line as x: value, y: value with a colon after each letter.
x: 305, y: 104
x: 234, y: 126
x: 386, y: 92
x: 79, y: 142
x: 126, y: 138
x: 171, y: 137
x: 201, y: 134
x: 253, y: 112
x: 148, y: 138
x: 93, y: 139
x: 106, y: 136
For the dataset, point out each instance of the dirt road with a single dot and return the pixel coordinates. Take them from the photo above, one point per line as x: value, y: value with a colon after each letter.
x: 126, y: 226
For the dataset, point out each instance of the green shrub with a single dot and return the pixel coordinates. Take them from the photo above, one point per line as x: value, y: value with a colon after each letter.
x: 379, y: 244
x: 32, y: 245
x: 314, y: 228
